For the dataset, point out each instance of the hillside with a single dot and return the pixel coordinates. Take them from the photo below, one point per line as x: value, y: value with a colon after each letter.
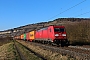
x: 23, y: 29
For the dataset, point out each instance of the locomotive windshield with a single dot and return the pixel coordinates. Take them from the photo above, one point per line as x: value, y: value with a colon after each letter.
x: 59, y: 29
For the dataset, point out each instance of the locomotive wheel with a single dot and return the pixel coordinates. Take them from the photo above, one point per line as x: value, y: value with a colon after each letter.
x: 53, y: 44
x: 63, y: 43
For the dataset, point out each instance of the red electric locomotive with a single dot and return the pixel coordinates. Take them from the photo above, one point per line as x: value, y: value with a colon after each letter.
x: 52, y: 34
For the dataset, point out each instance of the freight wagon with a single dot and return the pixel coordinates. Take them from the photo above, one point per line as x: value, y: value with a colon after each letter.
x: 30, y: 36
x: 23, y: 36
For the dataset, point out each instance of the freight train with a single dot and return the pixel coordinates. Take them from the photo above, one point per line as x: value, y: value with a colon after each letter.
x: 55, y: 35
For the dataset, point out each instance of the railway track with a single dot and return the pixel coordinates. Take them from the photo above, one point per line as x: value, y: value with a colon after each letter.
x: 22, y: 57
x: 81, y: 47
x: 80, y: 54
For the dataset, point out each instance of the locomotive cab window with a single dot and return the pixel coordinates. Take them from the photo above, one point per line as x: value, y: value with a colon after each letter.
x: 59, y: 29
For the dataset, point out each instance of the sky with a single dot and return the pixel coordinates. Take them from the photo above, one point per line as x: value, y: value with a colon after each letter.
x: 16, y: 13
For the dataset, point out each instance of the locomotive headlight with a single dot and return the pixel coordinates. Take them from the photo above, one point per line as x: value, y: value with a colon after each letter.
x: 63, y: 34
x: 56, y: 34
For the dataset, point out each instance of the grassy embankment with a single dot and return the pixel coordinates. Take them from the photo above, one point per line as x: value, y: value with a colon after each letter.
x: 27, y: 54
x: 8, y: 52
x: 48, y: 54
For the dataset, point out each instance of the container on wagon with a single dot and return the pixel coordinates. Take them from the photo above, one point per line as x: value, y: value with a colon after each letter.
x: 24, y: 38
x: 32, y: 35
x: 28, y: 36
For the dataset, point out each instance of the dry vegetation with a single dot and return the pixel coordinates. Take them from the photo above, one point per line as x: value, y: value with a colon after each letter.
x: 79, y: 33
x: 27, y: 55
x: 8, y: 52
x: 4, y: 40
x: 46, y: 53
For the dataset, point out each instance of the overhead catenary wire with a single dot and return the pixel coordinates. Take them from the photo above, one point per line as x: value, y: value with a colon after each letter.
x: 83, y: 14
x: 68, y: 9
